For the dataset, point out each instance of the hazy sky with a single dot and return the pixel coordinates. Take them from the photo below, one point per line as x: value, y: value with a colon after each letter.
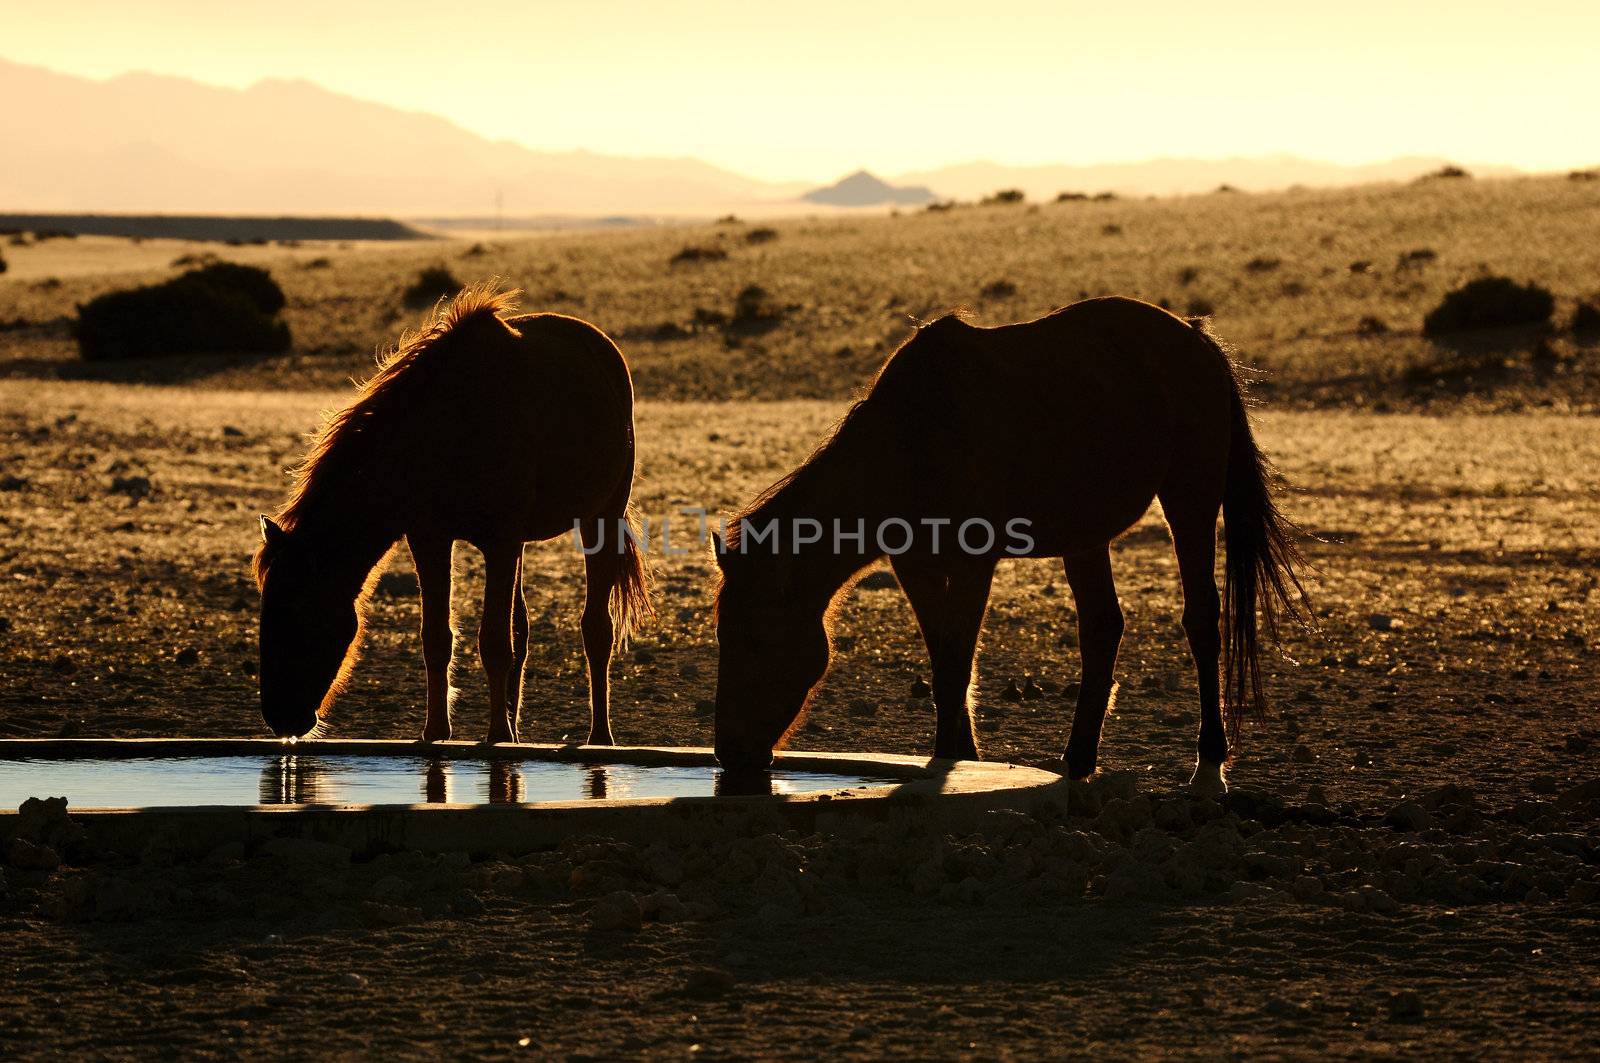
x: 810, y: 91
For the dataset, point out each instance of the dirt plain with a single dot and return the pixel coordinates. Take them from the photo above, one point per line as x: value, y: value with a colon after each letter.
x: 1407, y: 865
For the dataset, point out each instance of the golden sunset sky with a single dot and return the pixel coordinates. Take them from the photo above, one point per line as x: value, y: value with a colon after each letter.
x: 807, y: 92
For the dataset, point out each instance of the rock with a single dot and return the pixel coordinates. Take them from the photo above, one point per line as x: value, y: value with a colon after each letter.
x: 45, y: 821
x: 231, y: 432
x: 620, y: 910
x: 1579, y: 795
x: 708, y: 982
x: 881, y: 580
x: 390, y: 889
x: 134, y: 487
x: 920, y: 688
x: 861, y: 707
x: 1030, y: 689
x: 705, y: 707
x: 1302, y: 754
x: 644, y: 655
x: 353, y: 980
x: 1306, y: 888
x: 1383, y: 622
x: 30, y: 856
x: 1408, y: 816
x: 1406, y: 1005
x: 1316, y: 795
x: 186, y: 656
x: 12, y: 483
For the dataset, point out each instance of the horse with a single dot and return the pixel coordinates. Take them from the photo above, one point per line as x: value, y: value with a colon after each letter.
x: 484, y: 426
x: 1047, y: 438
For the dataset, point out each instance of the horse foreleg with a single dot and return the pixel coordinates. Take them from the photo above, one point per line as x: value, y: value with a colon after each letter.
x: 949, y: 602
x: 431, y: 557
x: 494, y: 634
x: 1094, y: 591
x: 519, y: 651
x: 602, y: 569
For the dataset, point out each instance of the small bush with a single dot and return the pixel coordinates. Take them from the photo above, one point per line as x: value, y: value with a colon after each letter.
x: 1000, y: 289
x: 1447, y: 172
x: 1584, y: 175
x: 729, y: 219
x: 1262, y: 264
x: 699, y: 254
x: 1071, y: 197
x: 1005, y: 197
x: 431, y: 285
x: 1200, y: 308
x: 320, y: 262
x: 1586, y: 318
x: 1111, y: 229
x: 939, y: 206
x: 754, y: 311
x: 475, y: 251
x: 760, y: 236
x: 1419, y: 257
x: 203, y: 258
x: 1104, y: 197
x: 1188, y: 275
x: 1489, y: 302
x: 1360, y: 265
x: 1225, y: 189
x: 220, y: 308
x: 1371, y: 326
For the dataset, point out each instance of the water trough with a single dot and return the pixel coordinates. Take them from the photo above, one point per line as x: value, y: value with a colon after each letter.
x: 373, y: 796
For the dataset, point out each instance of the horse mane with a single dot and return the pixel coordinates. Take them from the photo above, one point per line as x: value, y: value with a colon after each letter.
x: 477, y: 305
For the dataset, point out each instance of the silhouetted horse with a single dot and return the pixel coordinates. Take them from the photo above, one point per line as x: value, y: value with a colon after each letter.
x: 1043, y: 439
x: 484, y: 427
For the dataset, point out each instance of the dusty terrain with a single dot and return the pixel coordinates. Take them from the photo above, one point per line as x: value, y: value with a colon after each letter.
x: 1407, y: 864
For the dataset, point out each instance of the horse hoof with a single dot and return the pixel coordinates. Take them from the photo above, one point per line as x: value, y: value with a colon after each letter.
x: 1208, y: 780
x: 601, y: 740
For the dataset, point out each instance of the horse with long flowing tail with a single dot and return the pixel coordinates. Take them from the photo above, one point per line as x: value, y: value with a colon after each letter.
x: 1048, y: 438
x: 484, y: 427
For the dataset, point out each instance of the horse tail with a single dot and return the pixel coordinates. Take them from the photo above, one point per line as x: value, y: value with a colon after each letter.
x: 630, y: 595
x: 1263, y: 564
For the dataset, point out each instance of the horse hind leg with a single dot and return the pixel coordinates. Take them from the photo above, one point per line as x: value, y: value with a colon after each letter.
x: 519, y: 652
x: 1100, y: 625
x: 602, y: 569
x: 1194, y: 539
x: 501, y: 562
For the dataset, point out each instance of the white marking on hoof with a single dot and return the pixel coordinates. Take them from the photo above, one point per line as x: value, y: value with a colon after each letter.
x: 1208, y: 780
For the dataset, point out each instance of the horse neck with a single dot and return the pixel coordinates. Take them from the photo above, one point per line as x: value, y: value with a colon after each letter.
x: 349, y: 530
x: 837, y: 492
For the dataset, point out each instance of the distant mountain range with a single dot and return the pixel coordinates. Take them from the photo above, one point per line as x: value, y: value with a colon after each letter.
x: 146, y: 143
x: 861, y: 189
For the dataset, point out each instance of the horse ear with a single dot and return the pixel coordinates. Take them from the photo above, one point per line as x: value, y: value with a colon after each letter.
x: 272, y: 535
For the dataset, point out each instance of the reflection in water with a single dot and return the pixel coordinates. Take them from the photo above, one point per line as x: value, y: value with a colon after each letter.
x: 436, y: 783
x: 743, y: 784
x: 505, y: 782
x: 291, y: 780
x: 595, y: 783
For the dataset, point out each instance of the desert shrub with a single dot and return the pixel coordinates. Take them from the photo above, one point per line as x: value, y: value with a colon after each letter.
x: 475, y: 251
x: 1225, y: 189
x: 1188, y: 275
x: 18, y: 240
x: 1586, y: 317
x: 754, y: 310
x: 1489, y: 302
x: 1071, y: 197
x: 699, y: 254
x: 48, y: 284
x: 203, y: 258
x: 1419, y: 257
x: 41, y: 235
x: 1104, y: 197
x: 1360, y: 265
x: 762, y: 235
x: 1004, y: 197
x: 1445, y: 172
x: 3, y: 265
x: 1200, y: 308
x: 219, y: 308
x: 320, y: 262
x: 1584, y: 175
x: 1371, y: 326
x: 939, y: 206
x: 1000, y: 289
x: 1111, y: 229
x: 1262, y: 264
x: 432, y: 284
x: 729, y: 219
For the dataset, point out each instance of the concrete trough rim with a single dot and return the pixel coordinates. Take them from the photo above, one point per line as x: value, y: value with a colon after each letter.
x: 925, y: 787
